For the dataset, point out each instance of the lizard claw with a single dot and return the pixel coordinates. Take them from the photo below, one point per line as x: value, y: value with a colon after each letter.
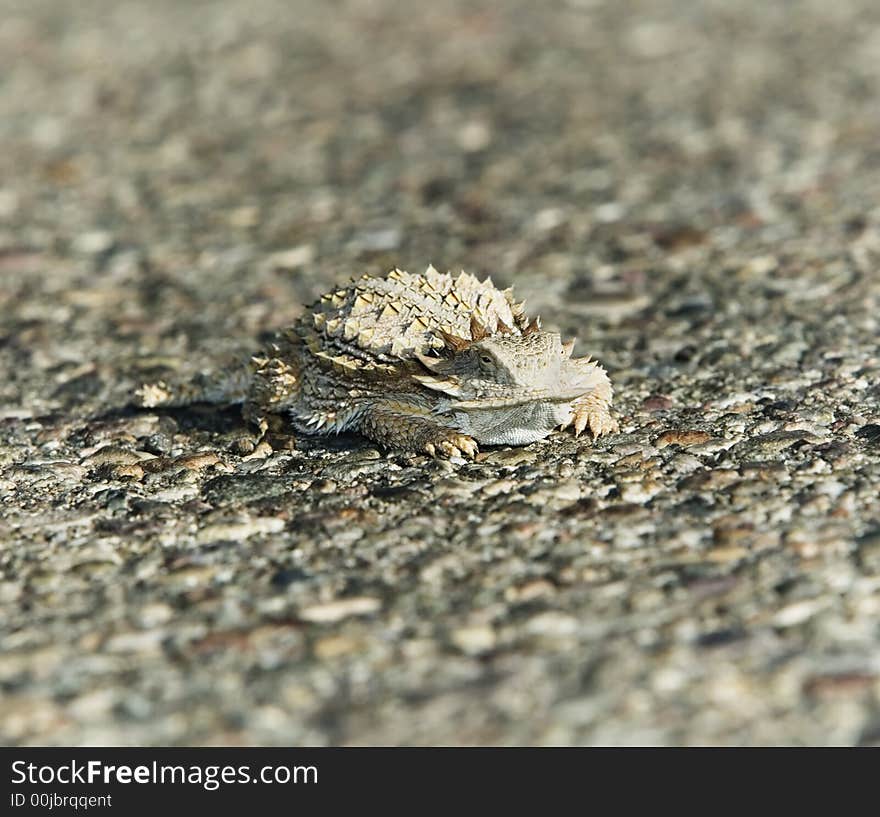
x: 468, y: 446
x: 449, y: 449
x: 458, y: 446
x: 150, y: 395
x: 597, y: 418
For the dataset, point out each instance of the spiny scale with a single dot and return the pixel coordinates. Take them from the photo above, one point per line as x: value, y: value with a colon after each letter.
x: 401, y: 315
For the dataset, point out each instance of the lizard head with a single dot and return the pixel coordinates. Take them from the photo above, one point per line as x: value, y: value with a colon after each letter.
x: 513, y: 387
x: 507, y: 369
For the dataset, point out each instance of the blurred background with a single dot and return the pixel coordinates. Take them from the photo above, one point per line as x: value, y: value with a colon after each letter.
x: 690, y: 187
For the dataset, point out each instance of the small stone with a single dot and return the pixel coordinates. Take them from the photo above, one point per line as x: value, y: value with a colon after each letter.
x: 657, y: 402
x: 9, y: 592
x: 337, y: 610
x: 335, y: 646
x: 500, y: 486
x: 114, y: 455
x: 555, y: 495
x: 509, y: 457
x: 569, y: 491
x: 761, y: 265
x: 474, y: 136
x: 456, y: 487
x: 260, y: 452
x: 651, y: 40
x: 133, y: 471
x: 799, y: 612
x: 154, y: 614
x: 93, y: 705
x: 683, y: 438
x: 93, y: 243
x: 201, y: 460
x: 377, y: 241
x: 565, y: 469
x: 136, y: 641
x: 776, y: 441
x: 239, y: 531
x: 548, y: 219
x: 640, y: 492
x: 293, y: 259
x: 530, y: 591
x: 8, y: 203
x: 474, y: 640
x: 245, y: 216
x: 552, y: 624
x: 723, y: 555
x: 609, y: 212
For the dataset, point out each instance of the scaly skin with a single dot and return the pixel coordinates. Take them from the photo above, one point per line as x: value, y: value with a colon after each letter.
x: 425, y: 363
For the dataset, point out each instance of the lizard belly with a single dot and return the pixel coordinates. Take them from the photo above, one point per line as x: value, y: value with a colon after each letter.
x: 519, y: 425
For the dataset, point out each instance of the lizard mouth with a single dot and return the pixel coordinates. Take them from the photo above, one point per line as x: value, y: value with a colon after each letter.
x: 493, y: 396
x: 499, y: 401
x: 472, y: 397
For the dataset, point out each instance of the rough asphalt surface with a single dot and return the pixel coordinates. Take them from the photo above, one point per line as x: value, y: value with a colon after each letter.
x: 690, y: 187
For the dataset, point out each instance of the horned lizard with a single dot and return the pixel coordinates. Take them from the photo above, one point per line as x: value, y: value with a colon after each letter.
x: 426, y: 363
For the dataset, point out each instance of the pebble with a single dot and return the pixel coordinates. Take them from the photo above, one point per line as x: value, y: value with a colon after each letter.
x: 799, y: 612
x: 510, y: 457
x: 334, y: 611
x: 640, y: 492
x: 136, y: 641
x: 201, y: 460
x: 335, y: 646
x: 10, y: 592
x: 376, y: 241
x: 294, y: 258
x: 239, y: 531
x: 500, y: 486
x: 474, y: 136
x: 93, y: 243
x: 457, y: 487
x: 530, y: 591
x: 474, y: 640
x: 115, y: 455
x: 562, y: 492
x: 552, y: 625
x: 682, y: 438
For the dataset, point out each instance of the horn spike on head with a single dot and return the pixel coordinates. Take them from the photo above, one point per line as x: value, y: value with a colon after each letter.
x: 448, y: 386
x: 478, y: 330
x: 430, y: 363
x: 453, y: 342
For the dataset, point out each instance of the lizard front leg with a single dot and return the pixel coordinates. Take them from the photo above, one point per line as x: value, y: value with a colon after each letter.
x: 401, y: 424
x: 593, y: 409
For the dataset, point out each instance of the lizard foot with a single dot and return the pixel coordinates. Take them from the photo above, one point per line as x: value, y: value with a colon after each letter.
x: 452, y: 445
x: 595, y: 416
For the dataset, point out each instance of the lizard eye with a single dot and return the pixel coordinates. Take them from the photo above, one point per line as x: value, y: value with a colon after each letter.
x: 486, y: 360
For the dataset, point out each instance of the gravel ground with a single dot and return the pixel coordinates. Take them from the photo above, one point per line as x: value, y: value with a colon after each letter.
x: 690, y: 187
